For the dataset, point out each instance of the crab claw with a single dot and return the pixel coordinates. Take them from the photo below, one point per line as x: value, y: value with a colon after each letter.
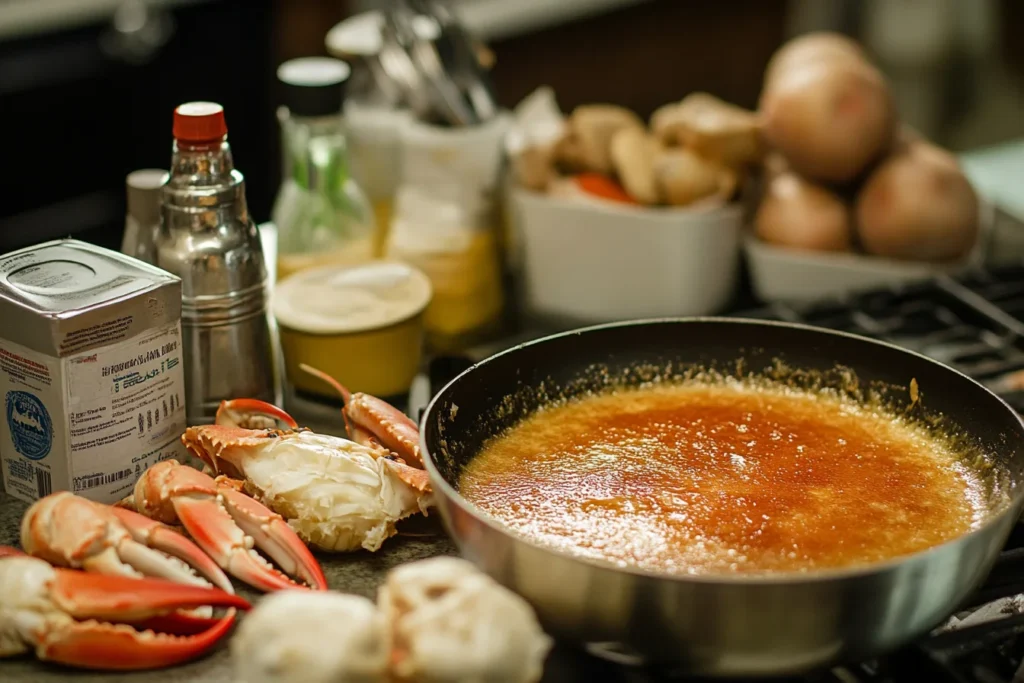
x: 156, y: 535
x: 252, y: 413
x: 129, y: 600
x: 416, y: 478
x: 81, y: 619
x: 70, y: 531
x: 373, y: 422
x: 227, y: 524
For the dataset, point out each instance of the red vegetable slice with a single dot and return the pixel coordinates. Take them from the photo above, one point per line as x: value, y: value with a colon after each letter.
x: 604, y: 187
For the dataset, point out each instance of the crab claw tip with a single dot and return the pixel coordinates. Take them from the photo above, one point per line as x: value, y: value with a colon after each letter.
x: 228, y: 409
x: 8, y: 551
x: 124, y: 599
x: 172, y: 543
x: 99, y: 646
x: 219, y: 530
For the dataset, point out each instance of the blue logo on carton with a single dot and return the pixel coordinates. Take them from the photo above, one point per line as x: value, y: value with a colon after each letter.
x: 31, y: 428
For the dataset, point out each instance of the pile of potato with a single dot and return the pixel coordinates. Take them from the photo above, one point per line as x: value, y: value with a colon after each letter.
x: 842, y: 174
x: 696, y: 150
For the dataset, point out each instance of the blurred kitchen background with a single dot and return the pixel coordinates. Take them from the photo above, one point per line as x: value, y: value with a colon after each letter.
x: 87, y: 87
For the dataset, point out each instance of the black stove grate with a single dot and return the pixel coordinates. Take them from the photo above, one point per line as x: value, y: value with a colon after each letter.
x: 975, y: 324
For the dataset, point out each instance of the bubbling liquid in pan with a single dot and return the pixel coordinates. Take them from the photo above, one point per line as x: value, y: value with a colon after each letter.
x: 712, y: 479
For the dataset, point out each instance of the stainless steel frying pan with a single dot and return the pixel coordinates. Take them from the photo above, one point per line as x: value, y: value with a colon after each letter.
x: 722, y: 625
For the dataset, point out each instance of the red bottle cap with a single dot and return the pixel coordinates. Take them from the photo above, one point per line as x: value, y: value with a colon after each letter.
x: 199, y: 122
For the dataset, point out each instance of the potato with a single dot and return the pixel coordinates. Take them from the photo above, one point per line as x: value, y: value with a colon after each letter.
x: 817, y: 47
x: 587, y: 145
x: 800, y: 214
x: 663, y: 123
x: 568, y: 154
x: 634, y: 151
x: 830, y: 120
x: 774, y: 164
x: 918, y: 205
x: 534, y: 167
x: 686, y: 177
x: 713, y: 128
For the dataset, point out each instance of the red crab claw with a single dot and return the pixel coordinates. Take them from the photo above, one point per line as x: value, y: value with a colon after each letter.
x: 375, y: 423
x: 86, y: 620
x: 70, y: 531
x: 156, y: 535
x: 227, y: 524
x: 252, y: 413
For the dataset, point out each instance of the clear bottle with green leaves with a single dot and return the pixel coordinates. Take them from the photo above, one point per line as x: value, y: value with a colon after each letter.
x: 322, y: 215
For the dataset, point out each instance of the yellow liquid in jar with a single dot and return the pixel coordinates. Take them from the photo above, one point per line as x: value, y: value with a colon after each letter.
x: 382, y: 213
x: 352, y: 253
x: 468, y: 298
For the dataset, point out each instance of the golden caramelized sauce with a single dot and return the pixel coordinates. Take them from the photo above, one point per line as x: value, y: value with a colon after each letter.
x: 718, y: 479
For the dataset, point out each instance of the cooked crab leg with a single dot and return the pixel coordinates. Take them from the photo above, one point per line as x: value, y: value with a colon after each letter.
x: 252, y: 413
x: 373, y: 422
x: 70, y: 531
x: 81, y: 619
x: 369, y: 420
x: 227, y: 524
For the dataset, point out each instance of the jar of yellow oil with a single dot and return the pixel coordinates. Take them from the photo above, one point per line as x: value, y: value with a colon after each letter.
x: 451, y: 237
x: 446, y: 221
x: 323, y: 217
x: 374, y: 136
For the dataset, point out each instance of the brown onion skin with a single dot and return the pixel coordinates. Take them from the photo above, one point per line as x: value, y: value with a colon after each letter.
x: 818, y: 46
x: 830, y: 120
x: 799, y: 214
x: 918, y: 206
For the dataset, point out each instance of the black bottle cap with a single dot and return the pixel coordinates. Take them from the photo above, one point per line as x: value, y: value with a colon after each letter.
x: 314, y: 86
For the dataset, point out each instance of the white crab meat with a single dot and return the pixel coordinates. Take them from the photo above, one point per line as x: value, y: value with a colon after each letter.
x: 305, y: 637
x: 336, y: 494
x: 450, y: 622
x: 25, y: 608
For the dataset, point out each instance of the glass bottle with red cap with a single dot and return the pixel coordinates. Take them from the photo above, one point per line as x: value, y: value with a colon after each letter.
x: 208, y: 239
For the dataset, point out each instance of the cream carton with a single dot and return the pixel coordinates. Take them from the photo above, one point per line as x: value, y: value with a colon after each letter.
x: 90, y: 370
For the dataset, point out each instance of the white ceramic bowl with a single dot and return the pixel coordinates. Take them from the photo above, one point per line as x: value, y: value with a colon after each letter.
x: 792, y: 275
x: 601, y: 262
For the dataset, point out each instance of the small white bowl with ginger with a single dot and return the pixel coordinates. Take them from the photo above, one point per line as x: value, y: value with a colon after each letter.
x: 616, y: 219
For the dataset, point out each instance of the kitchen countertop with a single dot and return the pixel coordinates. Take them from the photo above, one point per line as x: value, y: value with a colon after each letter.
x: 359, y: 573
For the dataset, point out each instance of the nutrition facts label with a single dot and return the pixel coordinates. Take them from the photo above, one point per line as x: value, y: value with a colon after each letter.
x: 125, y: 411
